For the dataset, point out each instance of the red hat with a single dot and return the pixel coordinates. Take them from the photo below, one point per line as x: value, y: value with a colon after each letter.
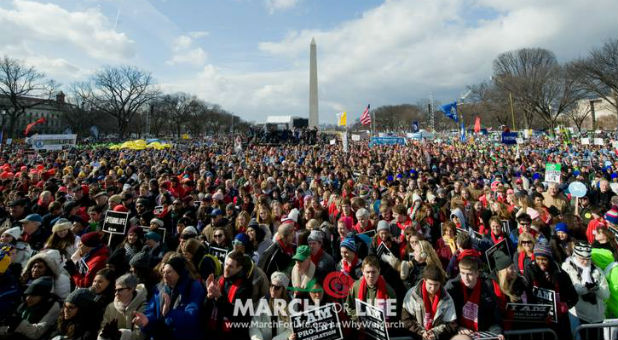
x: 91, y: 239
x: 120, y: 208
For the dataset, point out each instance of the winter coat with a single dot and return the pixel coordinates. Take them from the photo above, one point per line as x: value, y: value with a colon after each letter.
x: 9, y: 293
x: 94, y: 261
x: 37, y: 327
x: 219, y: 312
x: 585, y: 309
x: 413, y: 313
x: 275, y: 259
x: 61, y: 281
x: 182, y: 321
x: 559, y: 281
x: 124, y: 315
x: 489, y: 318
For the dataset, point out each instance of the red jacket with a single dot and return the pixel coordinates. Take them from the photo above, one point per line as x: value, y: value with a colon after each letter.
x: 94, y: 261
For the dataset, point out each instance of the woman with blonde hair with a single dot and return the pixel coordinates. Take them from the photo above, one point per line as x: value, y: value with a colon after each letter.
x: 63, y: 239
x: 242, y: 221
x: 525, y: 251
x: 423, y: 254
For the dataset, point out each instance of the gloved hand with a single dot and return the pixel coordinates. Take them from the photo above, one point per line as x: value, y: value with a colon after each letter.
x: 590, y: 298
x: 390, y: 259
x: 405, y: 270
x: 592, y: 286
x: 110, y: 330
x: 70, y: 267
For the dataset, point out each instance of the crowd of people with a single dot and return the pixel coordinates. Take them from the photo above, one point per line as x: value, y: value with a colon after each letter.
x: 451, y: 234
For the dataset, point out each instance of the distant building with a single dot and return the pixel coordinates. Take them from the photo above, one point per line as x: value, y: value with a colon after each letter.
x: 602, y: 108
x: 50, y: 109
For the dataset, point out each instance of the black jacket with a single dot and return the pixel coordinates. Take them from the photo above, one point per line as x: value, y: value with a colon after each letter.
x: 274, y: 259
x: 489, y: 318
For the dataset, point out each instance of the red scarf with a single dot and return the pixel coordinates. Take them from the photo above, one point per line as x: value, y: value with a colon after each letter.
x: 500, y: 296
x: 381, y: 294
x: 347, y: 268
x: 231, y: 294
x: 469, y: 315
x: 316, y: 258
x: 521, y: 257
x: 493, y: 238
x: 431, y: 307
x: 286, y: 249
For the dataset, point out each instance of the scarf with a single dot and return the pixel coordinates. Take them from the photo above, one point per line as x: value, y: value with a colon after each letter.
x: 301, y: 280
x: 521, y: 257
x: 381, y: 294
x: 584, y: 273
x: 431, y: 307
x: 450, y: 242
x: 470, y: 312
x: 286, y: 249
x: 316, y: 258
x: 496, y: 240
x: 347, y: 268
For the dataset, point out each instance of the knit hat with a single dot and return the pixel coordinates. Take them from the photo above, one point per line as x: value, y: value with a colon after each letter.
x: 189, y: 231
x: 15, y: 232
x: 279, y: 279
x: 58, y: 227
x: 216, y: 212
x: 349, y: 243
x: 151, y: 235
x: 40, y: 287
x: 91, y: 239
x: 383, y: 225
x: 137, y: 230
x: 157, y: 222
x: 178, y: 263
x: 316, y: 236
x: 542, y: 249
x: 81, y: 297
x: 294, y: 213
x: 582, y: 249
x: 562, y: 227
x: 242, y: 238
x: 611, y: 215
x: 502, y: 260
x: 302, y: 253
x: 140, y: 260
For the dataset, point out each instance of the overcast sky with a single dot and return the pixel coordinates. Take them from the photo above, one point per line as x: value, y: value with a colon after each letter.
x: 252, y: 56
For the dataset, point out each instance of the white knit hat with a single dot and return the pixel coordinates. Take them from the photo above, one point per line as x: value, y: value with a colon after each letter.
x: 15, y: 232
x: 279, y: 279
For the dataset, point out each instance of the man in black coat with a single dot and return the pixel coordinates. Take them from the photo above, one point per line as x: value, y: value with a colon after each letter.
x: 278, y: 257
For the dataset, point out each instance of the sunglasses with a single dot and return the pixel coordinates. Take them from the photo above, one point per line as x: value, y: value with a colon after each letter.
x: 218, y: 235
x: 526, y: 242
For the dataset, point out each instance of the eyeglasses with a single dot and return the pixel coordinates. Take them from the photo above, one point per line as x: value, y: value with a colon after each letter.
x: 218, y: 235
x: 118, y: 290
x: 526, y: 242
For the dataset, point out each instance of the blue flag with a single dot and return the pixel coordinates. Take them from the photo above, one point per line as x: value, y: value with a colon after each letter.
x: 450, y: 110
x: 463, y: 132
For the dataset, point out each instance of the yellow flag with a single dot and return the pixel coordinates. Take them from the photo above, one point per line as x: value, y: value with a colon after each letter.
x: 342, y: 119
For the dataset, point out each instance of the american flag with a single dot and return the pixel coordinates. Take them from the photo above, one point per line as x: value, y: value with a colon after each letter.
x: 366, y: 117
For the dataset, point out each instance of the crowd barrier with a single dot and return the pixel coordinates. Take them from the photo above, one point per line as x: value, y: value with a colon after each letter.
x: 531, y: 334
x: 607, y: 330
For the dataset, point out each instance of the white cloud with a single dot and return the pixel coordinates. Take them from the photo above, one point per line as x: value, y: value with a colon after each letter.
x: 37, y: 24
x: 280, y: 5
x: 185, y: 53
x: 198, y: 34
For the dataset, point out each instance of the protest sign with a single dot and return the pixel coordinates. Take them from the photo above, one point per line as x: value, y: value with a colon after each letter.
x: 501, y: 246
x: 509, y: 138
x: 333, y: 141
x: 373, y: 320
x: 585, y: 141
x: 356, y: 138
x: 525, y: 312
x: 158, y: 210
x: 370, y: 233
x: 116, y: 222
x: 220, y: 253
x: 506, y: 227
x: 599, y: 141
x: 547, y: 296
x: 578, y: 189
x: 318, y: 323
x: 552, y: 172
x: 382, y: 250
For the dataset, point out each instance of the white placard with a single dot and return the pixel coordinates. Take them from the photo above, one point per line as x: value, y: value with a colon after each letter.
x: 585, y: 141
x: 598, y: 141
x: 520, y: 140
x: 333, y: 141
x: 356, y: 138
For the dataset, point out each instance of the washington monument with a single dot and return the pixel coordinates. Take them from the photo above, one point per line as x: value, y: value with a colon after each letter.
x: 313, y: 86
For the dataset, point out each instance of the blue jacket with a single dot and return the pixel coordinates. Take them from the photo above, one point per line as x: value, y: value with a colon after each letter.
x: 183, y: 319
x: 10, y: 295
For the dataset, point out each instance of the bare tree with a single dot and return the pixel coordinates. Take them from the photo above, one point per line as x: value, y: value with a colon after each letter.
x: 598, y: 73
x: 578, y: 115
x: 23, y: 87
x: 120, y: 92
x: 539, y: 85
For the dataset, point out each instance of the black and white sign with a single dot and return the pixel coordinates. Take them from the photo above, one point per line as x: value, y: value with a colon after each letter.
x: 489, y: 253
x: 318, y: 323
x: 370, y: 233
x: 158, y: 210
x: 526, y: 312
x: 506, y: 227
x: 382, y: 250
x: 548, y: 297
x: 373, y: 320
x: 116, y: 222
x: 220, y: 253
